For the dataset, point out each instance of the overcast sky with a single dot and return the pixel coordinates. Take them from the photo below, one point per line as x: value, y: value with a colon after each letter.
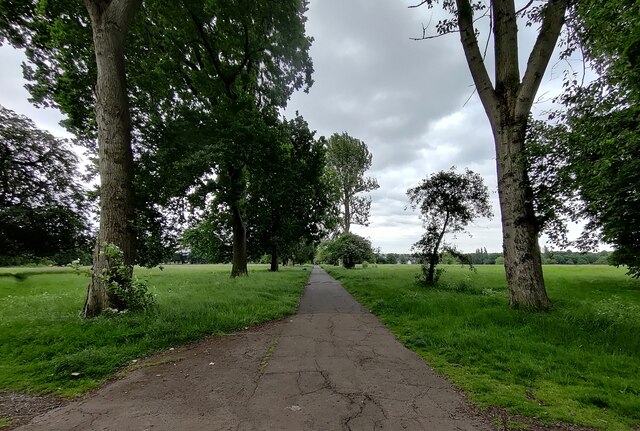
x: 405, y: 99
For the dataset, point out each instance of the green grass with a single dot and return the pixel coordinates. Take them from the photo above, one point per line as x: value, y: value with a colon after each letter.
x: 5, y: 422
x: 578, y: 363
x: 43, y: 340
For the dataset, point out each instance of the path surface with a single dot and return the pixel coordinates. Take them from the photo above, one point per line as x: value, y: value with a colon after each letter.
x: 332, y: 366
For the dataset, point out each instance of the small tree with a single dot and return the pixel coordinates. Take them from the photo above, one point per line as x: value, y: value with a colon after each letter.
x: 448, y: 201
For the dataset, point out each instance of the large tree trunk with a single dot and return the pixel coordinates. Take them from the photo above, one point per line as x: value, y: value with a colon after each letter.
x: 522, y: 260
x: 507, y: 102
x: 110, y: 22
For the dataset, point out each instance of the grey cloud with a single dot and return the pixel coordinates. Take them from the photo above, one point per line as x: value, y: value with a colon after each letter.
x: 14, y: 96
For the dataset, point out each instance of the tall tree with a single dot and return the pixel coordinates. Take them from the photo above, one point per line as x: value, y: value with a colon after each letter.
x: 110, y: 23
x: 604, y: 122
x: 507, y: 101
x: 349, y: 159
x: 448, y: 202
x: 59, y: 37
x: 290, y: 199
x: 42, y: 205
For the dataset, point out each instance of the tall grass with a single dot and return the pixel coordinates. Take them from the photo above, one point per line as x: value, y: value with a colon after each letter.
x: 578, y: 363
x: 43, y: 340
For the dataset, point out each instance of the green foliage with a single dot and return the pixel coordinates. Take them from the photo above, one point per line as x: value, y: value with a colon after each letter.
x: 290, y: 200
x: 483, y: 257
x: 576, y: 363
x: 125, y: 292
x: 208, y: 241
x: 348, y: 159
x: 348, y: 248
x: 43, y: 341
x: 593, y: 150
x: 42, y: 204
x: 448, y: 202
x: 204, y: 98
x: 588, y: 170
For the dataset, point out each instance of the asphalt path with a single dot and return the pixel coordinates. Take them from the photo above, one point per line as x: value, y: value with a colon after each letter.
x: 332, y: 366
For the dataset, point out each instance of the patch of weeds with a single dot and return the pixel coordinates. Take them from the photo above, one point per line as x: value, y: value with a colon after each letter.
x: 267, y: 356
x: 517, y: 426
x: 139, y: 365
x: 5, y: 422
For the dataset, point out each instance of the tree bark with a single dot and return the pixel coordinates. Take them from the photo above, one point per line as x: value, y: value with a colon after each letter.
x: 110, y: 21
x: 347, y: 212
x: 239, y: 228
x: 239, y: 262
x: 522, y: 259
x: 508, y: 105
x: 274, y: 258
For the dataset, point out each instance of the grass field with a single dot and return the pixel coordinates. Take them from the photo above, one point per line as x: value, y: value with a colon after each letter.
x: 43, y: 340
x: 579, y: 363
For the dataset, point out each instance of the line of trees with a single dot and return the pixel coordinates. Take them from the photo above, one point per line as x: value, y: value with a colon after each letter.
x: 180, y: 102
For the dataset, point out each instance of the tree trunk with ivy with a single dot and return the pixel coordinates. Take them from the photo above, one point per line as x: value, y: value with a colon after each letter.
x: 110, y: 21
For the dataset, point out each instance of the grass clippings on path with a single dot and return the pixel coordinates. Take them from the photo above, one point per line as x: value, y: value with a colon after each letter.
x: 579, y: 363
x: 43, y: 340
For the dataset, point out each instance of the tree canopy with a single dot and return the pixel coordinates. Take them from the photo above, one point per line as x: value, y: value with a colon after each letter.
x: 289, y: 195
x: 584, y: 164
x: 43, y: 207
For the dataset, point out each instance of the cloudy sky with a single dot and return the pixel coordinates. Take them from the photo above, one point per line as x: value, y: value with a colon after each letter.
x: 405, y: 99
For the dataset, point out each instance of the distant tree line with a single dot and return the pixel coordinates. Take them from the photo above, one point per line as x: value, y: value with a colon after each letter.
x: 482, y: 257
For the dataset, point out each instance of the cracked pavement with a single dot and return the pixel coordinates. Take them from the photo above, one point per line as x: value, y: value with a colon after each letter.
x: 332, y: 366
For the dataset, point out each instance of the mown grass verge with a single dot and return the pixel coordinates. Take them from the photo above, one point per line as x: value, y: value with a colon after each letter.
x: 579, y: 363
x: 43, y: 340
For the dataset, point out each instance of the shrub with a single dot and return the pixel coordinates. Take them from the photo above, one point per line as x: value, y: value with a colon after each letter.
x: 125, y: 292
